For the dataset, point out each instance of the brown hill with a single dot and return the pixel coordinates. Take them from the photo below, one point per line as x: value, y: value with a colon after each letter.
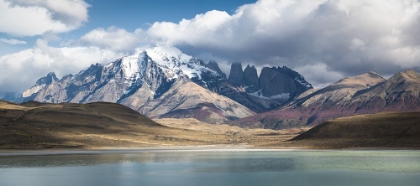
x: 372, y: 130
x: 364, y: 94
x: 35, y: 125
x: 67, y: 125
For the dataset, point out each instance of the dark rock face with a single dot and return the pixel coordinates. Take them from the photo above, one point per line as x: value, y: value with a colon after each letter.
x: 273, y: 82
x: 274, y: 87
x: 250, y: 79
x: 236, y: 74
x: 282, y: 80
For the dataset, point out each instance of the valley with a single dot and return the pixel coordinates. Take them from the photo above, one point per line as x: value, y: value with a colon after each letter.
x: 34, y: 125
x: 173, y: 99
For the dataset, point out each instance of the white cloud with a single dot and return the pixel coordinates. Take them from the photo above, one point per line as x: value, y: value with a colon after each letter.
x: 21, y: 70
x: 318, y: 73
x: 324, y: 40
x: 12, y: 41
x: 348, y: 36
x: 112, y: 38
x: 35, y: 17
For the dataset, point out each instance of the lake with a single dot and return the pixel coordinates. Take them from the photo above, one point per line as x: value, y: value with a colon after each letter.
x: 211, y: 167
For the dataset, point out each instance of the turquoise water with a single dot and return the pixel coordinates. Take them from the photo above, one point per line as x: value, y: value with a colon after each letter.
x: 203, y: 168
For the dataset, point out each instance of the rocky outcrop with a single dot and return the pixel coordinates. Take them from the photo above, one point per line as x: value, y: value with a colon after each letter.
x: 273, y: 82
x: 236, y: 74
x: 282, y: 80
x: 250, y: 79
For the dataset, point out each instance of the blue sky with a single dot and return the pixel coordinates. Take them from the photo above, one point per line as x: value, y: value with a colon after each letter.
x: 134, y: 14
x: 324, y: 40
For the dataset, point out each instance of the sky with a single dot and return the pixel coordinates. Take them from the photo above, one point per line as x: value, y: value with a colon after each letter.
x: 324, y: 40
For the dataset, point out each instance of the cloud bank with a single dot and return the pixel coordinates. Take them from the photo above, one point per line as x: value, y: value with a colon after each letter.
x: 324, y: 40
x: 336, y: 38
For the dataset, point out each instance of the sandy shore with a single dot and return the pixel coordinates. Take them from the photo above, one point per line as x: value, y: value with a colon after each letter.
x: 201, y: 148
x: 105, y: 150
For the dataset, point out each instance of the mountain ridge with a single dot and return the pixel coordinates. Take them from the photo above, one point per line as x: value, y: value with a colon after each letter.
x: 364, y: 94
x: 139, y: 81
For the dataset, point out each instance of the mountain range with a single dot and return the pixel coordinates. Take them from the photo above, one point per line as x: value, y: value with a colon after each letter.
x: 163, y: 82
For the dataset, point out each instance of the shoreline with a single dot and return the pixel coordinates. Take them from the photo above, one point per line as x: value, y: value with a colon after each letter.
x: 166, y: 149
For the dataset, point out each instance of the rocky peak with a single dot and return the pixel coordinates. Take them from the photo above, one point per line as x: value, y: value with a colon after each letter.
x: 364, y: 80
x: 236, y: 74
x: 273, y: 82
x: 402, y: 82
x: 46, y: 80
x: 214, y: 66
x: 250, y: 78
x: 409, y: 75
x: 276, y: 81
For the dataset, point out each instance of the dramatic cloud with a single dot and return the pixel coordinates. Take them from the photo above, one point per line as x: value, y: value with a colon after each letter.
x: 21, y: 70
x: 324, y: 40
x: 12, y: 41
x: 334, y: 38
x: 30, y: 18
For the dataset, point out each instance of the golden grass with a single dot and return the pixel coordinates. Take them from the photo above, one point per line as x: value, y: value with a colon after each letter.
x: 97, y: 125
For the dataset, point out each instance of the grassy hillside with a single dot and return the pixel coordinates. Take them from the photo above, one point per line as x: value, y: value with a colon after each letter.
x: 35, y: 125
x: 373, y: 130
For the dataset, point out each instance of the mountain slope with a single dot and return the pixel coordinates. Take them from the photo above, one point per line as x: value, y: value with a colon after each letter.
x: 188, y: 100
x: 363, y: 94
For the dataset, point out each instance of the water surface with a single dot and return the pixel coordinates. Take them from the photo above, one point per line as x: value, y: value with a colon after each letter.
x: 167, y: 167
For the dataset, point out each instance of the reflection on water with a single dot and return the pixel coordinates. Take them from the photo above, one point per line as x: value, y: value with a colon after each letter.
x: 214, y: 168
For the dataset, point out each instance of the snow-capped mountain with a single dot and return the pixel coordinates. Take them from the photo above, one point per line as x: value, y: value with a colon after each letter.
x: 164, y: 82
x: 140, y: 81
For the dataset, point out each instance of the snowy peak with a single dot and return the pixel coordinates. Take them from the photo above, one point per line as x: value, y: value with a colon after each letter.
x: 164, y: 55
x: 170, y: 60
x: 214, y: 66
x: 133, y: 66
x: 41, y: 83
x: 47, y: 79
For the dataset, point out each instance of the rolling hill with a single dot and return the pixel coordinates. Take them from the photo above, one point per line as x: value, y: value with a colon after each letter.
x: 395, y: 130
